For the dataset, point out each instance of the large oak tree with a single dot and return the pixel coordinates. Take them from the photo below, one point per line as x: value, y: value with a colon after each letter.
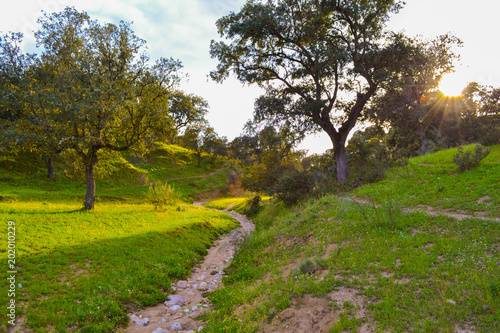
x: 320, y: 61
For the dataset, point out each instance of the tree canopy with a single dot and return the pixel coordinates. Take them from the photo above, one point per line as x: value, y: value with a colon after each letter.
x: 320, y: 61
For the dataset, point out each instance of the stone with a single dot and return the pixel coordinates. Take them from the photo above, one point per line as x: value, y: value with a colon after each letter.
x: 139, y: 321
x: 182, y: 284
x: 201, y: 278
x: 203, y: 286
x: 174, y: 308
x: 451, y: 302
x: 160, y: 330
x: 321, y: 212
x: 190, y: 293
x: 213, y: 272
x: 200, y: 328
x: 175, y: 300
x: 175, y: 327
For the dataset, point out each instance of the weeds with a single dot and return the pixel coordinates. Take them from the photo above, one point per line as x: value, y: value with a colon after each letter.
x: 162, y: 194
x: 468, y: 161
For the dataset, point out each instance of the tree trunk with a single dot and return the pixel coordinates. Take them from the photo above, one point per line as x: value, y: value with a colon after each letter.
x: 89, y: 176
x: 50, y: 167
x: 423, y: 141
x: 340, y: 159
x: 198, y: 156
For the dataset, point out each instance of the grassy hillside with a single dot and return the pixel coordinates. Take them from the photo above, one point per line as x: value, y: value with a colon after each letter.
x: 119, y: 176
x: 336, y: 265
x: 433, y: 180
x: 84, y: 270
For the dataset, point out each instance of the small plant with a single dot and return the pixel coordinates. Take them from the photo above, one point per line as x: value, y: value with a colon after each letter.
x: 293, y: 187
x: 467, y: 160
x: 308, y: 267
x: 162, y: 194
x: 495, y: 288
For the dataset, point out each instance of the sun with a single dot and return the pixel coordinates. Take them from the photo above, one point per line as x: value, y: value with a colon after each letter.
x: 451, y: 85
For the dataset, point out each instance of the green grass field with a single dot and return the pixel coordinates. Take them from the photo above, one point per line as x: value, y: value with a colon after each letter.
x: 434, y: 181
x: 118, y: 178
x: 83, y: 271
x: 413, y: 272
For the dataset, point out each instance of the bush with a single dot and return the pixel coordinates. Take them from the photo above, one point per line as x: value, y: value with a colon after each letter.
x: 309, y: 267
x: 253, y: 206
x: 467, y: 160
x: 162, y: 194
x: 294, y: 187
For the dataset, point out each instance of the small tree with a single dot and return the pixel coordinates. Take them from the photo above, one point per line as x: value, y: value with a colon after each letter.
x: 186, y: 109
x: 197, y: 137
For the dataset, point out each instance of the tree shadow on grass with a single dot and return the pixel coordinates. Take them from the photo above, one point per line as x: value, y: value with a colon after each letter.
x: 93, y: 286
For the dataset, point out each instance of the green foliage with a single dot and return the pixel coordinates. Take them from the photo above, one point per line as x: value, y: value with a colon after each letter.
x: 128, y: 109
x: 162, y: 194
x: 468, y: 160
x: 495, y: 288
x: 293, y: 187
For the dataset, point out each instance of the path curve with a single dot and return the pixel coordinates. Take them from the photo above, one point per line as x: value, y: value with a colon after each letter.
x: 181, y: 312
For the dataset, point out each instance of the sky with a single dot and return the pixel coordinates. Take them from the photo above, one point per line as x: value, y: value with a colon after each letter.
x: 183, y: 29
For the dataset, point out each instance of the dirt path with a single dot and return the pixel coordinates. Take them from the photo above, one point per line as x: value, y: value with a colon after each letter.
x: 180, y: 313
x: 433, y: 211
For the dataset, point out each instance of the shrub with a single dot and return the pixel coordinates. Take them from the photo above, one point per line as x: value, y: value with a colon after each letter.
x: 162, y: 194
x: 467, y: 160
x: 308, y: 267
x: 253, y: 206
x: 294, y: 187
x: 495, y: 288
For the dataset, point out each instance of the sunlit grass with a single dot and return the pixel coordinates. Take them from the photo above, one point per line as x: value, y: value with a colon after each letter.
x: 407, y: 266
x: 85, y: 270
x: 433, y: 180
x: 416, y: 273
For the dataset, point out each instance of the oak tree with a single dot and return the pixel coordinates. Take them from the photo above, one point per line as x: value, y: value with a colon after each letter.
x: 320, y: 61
